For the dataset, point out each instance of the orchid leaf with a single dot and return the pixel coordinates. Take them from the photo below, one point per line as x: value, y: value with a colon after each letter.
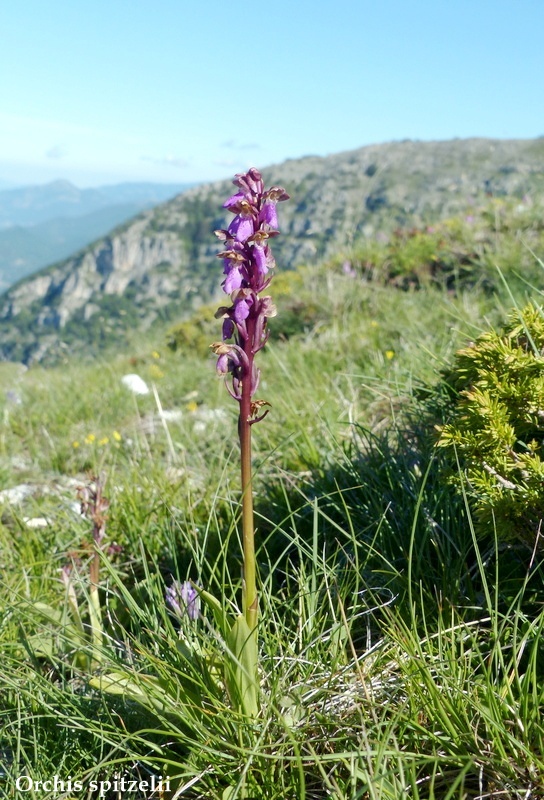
x: 144, y: 689
x: 220, y: 616
x: 241, y: 667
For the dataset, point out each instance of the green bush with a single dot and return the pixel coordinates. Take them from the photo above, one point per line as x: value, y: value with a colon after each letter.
x: 196, y: 333
x: 300, y: 313
x: 497, y: 427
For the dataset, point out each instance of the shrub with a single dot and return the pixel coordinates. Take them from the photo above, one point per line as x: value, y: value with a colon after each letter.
x: 497, y: 426
x: 194, y: 334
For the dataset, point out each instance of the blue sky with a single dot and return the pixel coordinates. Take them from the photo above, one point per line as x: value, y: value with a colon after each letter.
x: 176, y: 91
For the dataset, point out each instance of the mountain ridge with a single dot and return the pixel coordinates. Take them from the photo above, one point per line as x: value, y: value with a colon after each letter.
x: 26, y: 250
x: 161, y: 264
x: 34, y: 204
x: 40, y: 225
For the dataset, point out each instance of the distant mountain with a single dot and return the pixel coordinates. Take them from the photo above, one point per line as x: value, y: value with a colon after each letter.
x: 31, y: 205
x: 40, y: 225
x: 24, y: 251
x: 161, y: 265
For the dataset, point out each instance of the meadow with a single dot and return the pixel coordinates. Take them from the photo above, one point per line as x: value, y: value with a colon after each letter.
x: 400, y: 648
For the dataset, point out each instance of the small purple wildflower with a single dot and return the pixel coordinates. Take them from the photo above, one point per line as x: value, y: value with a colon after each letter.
x: 247, y: 258
x: 183, y: 599
x: 347, y: 269
x: 13, y: 398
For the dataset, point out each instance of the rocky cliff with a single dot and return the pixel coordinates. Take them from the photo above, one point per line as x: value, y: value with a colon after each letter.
x: 162, y: 265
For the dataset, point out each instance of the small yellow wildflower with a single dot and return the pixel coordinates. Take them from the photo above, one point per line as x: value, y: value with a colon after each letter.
x: 75, y: 445
x: 117, y: 436
x: 90, y: 438
x: 155, y: 371
x: 104, y: 440
x: 154, y: 354
x: 192, y: 406
x: 373, y: 323
x: 389, y: 354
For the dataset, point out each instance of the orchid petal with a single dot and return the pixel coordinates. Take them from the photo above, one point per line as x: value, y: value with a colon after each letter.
x: 233, y: 200
x: 233, y: 280
x: 259, y: 256
x: 241, y: 228
x: 228, y: 329
x: 269, y: 215
x: 241, y: 310
x: 222, y: 366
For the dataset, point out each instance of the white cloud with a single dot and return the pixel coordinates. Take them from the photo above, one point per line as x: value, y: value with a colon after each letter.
x: 57, y: 151
x: 168, y: 161
x: 232, y: 144
x: 227, y: 162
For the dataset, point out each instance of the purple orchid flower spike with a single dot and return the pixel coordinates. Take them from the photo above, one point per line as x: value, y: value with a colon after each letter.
x: 247, y: 260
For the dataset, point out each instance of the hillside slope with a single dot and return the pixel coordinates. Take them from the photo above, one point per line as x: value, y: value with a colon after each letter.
x: 25, y: 250
x: 161, y: 265
x: 40, y: 225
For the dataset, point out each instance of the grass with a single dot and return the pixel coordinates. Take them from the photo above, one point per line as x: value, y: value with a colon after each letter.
x: 400, y: 655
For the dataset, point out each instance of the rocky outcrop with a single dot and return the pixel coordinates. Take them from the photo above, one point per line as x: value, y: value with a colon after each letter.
x: 107, y: 268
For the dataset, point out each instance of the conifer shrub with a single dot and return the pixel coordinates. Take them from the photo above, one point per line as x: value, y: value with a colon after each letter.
x: 496, y: 431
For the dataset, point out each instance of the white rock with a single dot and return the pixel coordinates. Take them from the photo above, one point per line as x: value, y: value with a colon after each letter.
x: 171, y: 415
x: 17, y: 494
x: 36, y: 522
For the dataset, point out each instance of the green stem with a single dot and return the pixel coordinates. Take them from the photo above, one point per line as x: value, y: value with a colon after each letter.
x: 250, y: 600
x: 94, y: 609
